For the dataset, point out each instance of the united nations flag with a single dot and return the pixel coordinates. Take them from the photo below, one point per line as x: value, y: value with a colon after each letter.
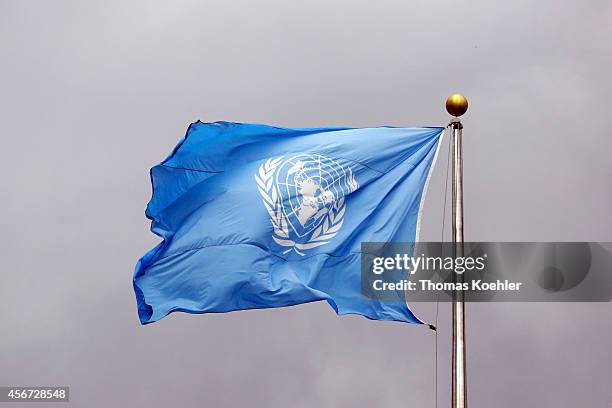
x: 255, y: 216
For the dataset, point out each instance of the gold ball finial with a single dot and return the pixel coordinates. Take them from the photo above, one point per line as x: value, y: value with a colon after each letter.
x: 456, y: 104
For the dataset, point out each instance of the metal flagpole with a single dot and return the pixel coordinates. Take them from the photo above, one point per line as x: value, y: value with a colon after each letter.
x: 457, y: 105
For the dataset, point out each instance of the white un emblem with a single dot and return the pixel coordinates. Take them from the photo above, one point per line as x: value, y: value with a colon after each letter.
x: 304, y: 196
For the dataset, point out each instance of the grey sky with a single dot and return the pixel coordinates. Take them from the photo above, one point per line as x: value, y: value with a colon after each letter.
x: 92, y: 94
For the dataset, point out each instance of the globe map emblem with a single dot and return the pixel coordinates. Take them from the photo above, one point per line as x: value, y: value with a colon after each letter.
x: 309, y: 185
x: 304, y: 196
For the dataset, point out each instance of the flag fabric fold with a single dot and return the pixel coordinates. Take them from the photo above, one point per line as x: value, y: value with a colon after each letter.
x: 255, y: 216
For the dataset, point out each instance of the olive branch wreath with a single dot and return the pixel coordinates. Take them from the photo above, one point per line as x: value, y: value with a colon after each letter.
x: 272, y: 201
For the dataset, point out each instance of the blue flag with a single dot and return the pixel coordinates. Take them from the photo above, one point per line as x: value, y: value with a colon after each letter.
x: 256, y: 216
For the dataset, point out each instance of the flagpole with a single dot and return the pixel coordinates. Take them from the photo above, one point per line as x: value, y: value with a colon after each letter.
x: 457, y: 105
